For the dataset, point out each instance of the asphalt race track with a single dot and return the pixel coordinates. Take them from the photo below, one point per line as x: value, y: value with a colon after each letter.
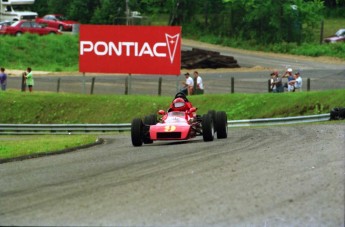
x: 259, y: 176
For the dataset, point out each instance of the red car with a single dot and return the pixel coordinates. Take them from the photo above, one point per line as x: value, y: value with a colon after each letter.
x: 339, y: 36
x: 57, y: 21
x: 179, y: 125
x: 20, y: 27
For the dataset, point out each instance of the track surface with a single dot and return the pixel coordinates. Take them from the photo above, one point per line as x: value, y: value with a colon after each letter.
x: 264, y: 176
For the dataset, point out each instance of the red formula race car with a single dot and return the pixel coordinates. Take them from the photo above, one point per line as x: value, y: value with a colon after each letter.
x: 180, y: 122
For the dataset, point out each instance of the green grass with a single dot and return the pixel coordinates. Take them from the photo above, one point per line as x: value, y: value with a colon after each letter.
x: 54, y: 53
x: 15, y: 146
x: 331, y: 26
x: 49, y: 108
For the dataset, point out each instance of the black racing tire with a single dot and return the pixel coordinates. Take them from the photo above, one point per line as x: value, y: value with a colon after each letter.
x: 207, y: 128
x: 213, y: 115
x: 221, y: 125
x: 137, y: 132
x: 148, y: 120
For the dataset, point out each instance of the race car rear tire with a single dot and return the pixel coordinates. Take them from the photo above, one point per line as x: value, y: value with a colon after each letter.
x: 221, y: 125
x: 213, y: 114
x: 137, y: 132
x: 207, y: 128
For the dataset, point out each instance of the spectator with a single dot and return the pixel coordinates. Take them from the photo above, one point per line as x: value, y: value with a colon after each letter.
x: 276, y: 82
x: 290, y: 85
x: 273, y: 87
x: 297, y: 82
x: 188, y: 85
x: 3, y: 79
x: 29, y: 79
x: 199, y: 88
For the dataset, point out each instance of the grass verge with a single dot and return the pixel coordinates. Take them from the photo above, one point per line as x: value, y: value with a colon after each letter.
x: 16, y: 146
x: 49, y: 108
x: 63, y: 108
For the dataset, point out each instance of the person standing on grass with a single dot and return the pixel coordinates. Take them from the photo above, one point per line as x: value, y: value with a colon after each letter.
x: 188, y: 85
x: 273, y: 87
x: 29, y: 79
x: 3, y: 79
x: 276, y: 82
x: 297, y: 82
x: 288, y: 74
x: 199, y: 85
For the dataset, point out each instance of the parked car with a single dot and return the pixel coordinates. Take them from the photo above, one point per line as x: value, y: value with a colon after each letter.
x: 338, y: 37
x: 5, y: 23
x: 57, y: 21
x: 20, y: 27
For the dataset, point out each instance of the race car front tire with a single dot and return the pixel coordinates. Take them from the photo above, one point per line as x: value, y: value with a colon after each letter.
x: 137, y: 132
x: 207, y: 127
x: 148, y: 120
x: 221, y: 125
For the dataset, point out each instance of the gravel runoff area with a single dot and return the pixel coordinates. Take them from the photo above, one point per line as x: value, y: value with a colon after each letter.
x: 258, y: 176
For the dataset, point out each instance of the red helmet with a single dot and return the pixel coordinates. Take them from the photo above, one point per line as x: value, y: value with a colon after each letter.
x: 179, y: 104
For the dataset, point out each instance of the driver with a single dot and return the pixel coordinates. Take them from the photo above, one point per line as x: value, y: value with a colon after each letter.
x: 179, y: 104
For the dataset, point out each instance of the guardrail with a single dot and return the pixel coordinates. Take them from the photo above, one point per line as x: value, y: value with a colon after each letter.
x: 62, y: 128
x: 279, y: 121
x: 25, y: 129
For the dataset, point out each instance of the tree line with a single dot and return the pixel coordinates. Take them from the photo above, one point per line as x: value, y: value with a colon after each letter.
x: 265, y: 21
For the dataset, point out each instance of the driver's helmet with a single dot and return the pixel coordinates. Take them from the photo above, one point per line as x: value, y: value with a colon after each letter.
x: 179, y: 104
x: 181, y: 95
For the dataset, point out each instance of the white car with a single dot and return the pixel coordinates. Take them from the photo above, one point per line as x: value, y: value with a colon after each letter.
x: 338, y: 37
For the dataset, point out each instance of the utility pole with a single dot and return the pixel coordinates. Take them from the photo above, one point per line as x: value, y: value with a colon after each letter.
x: 127, y: 13
x: 130, y: 75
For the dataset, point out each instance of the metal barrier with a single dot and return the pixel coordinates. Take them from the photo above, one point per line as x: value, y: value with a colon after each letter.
x: 279, y: 121
x: 25, y: 129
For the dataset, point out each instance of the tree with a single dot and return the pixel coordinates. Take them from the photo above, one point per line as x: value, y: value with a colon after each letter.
x: 82, y: 10
x: 110, y: 12
x: 273, y: 21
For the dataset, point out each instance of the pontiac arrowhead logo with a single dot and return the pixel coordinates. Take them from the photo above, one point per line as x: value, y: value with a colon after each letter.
x: 172, y: 45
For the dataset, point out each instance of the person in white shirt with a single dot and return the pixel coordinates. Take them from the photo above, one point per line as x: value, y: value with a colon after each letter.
x: 188, y: 85
x: 199, y: 85
x: 298, y: 82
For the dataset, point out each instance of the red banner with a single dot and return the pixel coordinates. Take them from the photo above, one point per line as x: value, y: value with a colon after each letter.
x: 130, y: 49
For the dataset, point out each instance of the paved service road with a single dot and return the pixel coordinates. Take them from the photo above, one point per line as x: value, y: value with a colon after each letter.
x: 261, y: 176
